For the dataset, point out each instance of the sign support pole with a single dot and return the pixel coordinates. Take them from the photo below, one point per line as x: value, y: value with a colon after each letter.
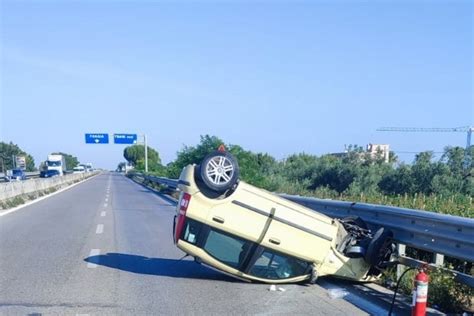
x: 146, y: 153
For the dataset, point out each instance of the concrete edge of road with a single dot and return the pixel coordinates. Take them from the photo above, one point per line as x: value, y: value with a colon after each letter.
x: 167, y: 198
x: 8, y: 211
x: 372, y: 297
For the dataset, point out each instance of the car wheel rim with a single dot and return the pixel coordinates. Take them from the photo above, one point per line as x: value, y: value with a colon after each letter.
x: 219, y: 170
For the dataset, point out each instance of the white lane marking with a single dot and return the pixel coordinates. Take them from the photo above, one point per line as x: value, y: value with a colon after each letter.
x: 102, y: 214
x: 100, y: 229
x: 105, y: 204
x: 93, y: 253
x: 106, y: 199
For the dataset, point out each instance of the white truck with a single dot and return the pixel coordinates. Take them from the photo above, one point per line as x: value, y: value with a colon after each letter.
x: 89, y: 167
x: 56, y: 162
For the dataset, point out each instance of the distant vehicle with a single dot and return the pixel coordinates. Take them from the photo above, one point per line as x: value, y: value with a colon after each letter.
x: 49, y: 173
x: 255, y: 235
x: 79, y: 169
x: 16, y: 175
x: 56, y: 162
x: 89, y: 167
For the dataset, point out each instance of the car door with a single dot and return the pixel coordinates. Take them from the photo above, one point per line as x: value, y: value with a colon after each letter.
x: 237, y: 216
x: 299, y: 233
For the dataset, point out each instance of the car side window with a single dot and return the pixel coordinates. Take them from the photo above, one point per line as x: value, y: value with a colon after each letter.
x: 228, y: 249
x: 271, y: 265
x: 191, y: 232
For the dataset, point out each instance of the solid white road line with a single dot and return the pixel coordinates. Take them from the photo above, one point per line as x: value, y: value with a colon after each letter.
x: 94, y: 252
x: 102, y: 214
x: 100, y: 229
x: 43, y: 197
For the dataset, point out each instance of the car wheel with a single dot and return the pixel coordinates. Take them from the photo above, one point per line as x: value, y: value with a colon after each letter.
x: 355, y: 252
x: 380, y: 247
x: 219, y: 171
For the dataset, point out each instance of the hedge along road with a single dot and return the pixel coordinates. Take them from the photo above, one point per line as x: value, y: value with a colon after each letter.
x: 105, y: 247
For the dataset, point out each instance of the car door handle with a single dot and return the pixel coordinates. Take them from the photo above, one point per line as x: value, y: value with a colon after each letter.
x: 274, y: 241
x: 218, y: 219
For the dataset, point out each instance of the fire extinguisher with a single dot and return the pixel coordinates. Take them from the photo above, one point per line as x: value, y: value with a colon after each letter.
x: 420, y: 294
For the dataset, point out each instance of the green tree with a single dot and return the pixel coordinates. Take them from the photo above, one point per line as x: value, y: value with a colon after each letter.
x: 135, y: 155
x: 454, y: 158
x: 71, y: 161
x: 423, y: 172
x: 255, y: 168
x: 121, y: 166
x: 7, y: 153
x: 397, y: 181
x: 193, y: 154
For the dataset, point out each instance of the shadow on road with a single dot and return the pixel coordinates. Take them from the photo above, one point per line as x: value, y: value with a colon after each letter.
x: 158, y: 266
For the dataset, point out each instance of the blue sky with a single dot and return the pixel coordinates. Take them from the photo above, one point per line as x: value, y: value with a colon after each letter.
x: 273, y: 76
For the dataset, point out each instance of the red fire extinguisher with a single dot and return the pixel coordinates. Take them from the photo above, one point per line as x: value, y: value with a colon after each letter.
x: 420, y: 294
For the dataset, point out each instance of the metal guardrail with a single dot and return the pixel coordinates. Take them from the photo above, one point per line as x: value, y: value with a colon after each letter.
x: 29, y: 175
x: 441, y: 234
x: 165, y: 181
x: 446, y: 234
x: 171, y: 183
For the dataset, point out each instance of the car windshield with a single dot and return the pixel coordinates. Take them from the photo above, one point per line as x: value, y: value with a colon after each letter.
x: 54, y: 163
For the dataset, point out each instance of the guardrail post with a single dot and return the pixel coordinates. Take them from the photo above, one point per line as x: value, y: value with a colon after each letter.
x: 438, y: 259
x: 401, y: 250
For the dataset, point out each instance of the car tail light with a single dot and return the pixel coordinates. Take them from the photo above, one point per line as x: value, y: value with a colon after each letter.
x: 183, y: 207
x: 184, y: 203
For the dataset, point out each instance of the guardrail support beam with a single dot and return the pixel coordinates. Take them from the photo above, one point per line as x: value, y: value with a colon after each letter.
x: 401, y: 249
x: 438, y: 259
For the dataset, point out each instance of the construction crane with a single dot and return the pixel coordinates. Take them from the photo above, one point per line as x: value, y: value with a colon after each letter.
x: 463, y: 129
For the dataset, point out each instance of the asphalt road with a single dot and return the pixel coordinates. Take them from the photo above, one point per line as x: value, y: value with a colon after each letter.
x: 104, y: 247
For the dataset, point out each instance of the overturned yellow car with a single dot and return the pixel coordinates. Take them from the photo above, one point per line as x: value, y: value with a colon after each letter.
x: 255, y: 235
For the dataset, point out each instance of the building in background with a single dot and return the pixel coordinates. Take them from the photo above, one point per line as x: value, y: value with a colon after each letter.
x: 379, y: 149
x: 374, y: 150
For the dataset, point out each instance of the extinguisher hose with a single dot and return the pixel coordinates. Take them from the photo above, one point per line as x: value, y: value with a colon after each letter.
x: 396, y: 290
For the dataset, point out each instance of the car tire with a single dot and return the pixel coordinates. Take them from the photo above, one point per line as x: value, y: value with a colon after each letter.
x: 355, y: 252
x: 379, y: 247
x: 219, y: 171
